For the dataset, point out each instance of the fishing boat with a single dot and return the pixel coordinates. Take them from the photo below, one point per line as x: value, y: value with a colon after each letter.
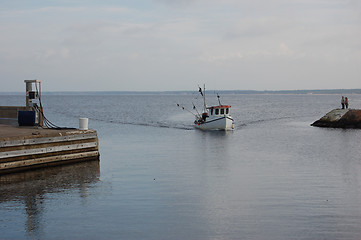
x: 214, y: 117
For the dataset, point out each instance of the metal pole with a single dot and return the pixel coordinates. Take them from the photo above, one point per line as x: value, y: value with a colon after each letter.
x: 204, y: 97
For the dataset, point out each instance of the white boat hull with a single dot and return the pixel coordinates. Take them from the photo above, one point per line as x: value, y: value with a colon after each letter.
x: 218, y: 123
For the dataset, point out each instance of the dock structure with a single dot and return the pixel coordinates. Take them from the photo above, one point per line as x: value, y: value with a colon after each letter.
x: 25, y: 143
x: 23, y: 148
x: 9, y: 114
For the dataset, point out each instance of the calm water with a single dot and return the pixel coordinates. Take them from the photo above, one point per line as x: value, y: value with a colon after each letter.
x: 273, y: 177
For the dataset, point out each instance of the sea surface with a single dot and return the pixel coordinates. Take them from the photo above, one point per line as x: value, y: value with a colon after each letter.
x: 273, y: 177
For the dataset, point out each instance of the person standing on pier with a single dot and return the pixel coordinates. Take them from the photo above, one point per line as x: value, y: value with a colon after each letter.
x: 343, y: 102
x: 346, y: 102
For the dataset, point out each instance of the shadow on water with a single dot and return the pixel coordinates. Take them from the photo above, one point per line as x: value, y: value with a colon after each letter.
x: 31, y: 187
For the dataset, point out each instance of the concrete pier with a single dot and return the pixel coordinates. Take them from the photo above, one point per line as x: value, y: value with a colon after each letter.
x: 23, y: 148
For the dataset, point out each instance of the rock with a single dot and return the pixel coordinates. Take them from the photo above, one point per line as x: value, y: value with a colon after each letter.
x: 340, y: 118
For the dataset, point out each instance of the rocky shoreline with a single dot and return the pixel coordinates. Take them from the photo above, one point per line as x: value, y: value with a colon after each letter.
x: 340, y: 118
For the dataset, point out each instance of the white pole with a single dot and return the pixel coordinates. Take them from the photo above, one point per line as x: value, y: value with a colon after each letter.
x: 204, y: 97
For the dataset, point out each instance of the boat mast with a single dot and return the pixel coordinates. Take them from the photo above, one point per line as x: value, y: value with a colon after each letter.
x: 204, y: 98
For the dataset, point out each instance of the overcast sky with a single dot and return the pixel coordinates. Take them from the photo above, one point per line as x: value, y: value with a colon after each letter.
x: 160, y: 45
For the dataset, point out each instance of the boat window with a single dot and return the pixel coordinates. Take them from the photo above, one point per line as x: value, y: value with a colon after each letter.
x: 222, y: 110
x: 227, y: 110
x: 211, y: 111
x: 217, y: 111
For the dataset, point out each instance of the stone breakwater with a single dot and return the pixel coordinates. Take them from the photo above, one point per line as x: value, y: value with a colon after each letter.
x: 340, y: 118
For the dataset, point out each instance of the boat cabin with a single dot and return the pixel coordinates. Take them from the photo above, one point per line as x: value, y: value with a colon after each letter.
x: 219, y: 110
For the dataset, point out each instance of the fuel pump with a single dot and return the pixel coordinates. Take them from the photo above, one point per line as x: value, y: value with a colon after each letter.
x: 33, y: 114
x: 33, y: 95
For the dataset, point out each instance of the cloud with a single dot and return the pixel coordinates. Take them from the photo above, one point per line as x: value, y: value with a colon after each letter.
x: 177, y: 3
x: 224, y: 58
x: 285, y: 50
x: 193, y: 39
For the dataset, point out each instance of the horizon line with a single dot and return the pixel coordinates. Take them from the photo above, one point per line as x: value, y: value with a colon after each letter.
x: 358, y: 90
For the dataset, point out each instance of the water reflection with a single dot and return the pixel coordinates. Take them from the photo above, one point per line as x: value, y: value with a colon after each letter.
x: 215, y: 133
x: 31, y: 188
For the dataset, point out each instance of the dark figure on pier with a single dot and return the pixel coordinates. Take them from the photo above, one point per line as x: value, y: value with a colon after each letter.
x: 346, y: 102
x: 343, y: 102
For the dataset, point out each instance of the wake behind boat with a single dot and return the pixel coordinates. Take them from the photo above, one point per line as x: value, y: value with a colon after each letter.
x: 214, y: 117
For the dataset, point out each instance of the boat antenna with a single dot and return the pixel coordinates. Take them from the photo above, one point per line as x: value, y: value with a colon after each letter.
x: 219, y: 101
